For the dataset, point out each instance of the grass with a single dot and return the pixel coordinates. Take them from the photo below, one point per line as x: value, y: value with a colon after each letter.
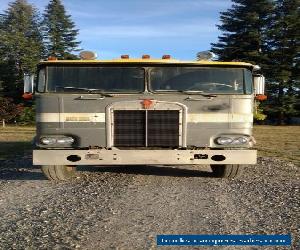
x: 278, y: 141
x: 274, y: 141
x: 15, y: 140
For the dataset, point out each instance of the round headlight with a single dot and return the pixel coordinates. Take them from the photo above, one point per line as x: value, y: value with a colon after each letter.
x: 48, y: 140
x: 224, y: 140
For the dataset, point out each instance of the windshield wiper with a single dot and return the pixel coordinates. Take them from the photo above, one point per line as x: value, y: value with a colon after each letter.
x: 196, y: 92
x: 97, y: 91
x: 189, y: 92
x: 167, y: 90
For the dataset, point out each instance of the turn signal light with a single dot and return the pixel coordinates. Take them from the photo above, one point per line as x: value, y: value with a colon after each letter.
x: 261, y: 97
x: 166, y: 57
x: 124, y: 56
x: 27, y: 96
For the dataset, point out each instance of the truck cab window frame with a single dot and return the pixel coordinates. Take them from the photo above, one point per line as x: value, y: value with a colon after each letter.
x: 80, y: 80
x: 244, y: 86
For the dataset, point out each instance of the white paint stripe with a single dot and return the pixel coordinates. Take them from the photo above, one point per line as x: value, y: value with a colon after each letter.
x: 219, y: 117
x: 70, y: 117
x: 100, y: 117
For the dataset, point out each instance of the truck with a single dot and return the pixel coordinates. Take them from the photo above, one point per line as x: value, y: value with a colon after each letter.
x: 143, y: 111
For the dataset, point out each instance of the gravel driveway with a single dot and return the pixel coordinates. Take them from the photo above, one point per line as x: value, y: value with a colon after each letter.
x: 126, y: 207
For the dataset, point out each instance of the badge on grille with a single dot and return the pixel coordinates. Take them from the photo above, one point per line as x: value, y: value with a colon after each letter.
x: 147, y: 103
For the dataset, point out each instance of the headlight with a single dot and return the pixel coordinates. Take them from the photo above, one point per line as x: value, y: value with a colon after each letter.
x: 60, y: 140
x: 240, y: 140
x: 224, y: 140
x: 232, y: 141
x: 48, y: 140
x: 65, y: 140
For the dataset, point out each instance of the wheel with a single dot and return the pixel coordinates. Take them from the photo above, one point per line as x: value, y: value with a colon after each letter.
x: 228, y: 171
x: 59, y: 172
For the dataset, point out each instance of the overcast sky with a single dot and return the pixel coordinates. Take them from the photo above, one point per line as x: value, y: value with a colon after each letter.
x: 135, y: 27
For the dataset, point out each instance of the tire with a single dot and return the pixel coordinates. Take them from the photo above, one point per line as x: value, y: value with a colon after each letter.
x: 59, y: 172
x: 228, y: 171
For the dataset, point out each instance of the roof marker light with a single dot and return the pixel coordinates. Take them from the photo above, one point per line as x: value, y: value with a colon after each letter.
x: 145, y: 56
x: 124, y: 56
x: 166, y: 57
x: 52, y: 58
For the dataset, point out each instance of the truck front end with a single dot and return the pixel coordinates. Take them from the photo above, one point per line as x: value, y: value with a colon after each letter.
x: 143, y: 112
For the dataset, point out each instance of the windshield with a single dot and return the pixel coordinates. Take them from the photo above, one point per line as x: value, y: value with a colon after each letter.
x: 101, y: 79
x: 201, y: 79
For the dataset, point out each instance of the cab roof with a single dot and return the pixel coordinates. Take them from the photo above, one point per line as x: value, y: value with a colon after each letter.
x: 147, y: 61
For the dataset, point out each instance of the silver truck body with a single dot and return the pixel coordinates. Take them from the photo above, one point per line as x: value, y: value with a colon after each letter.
x: 91, y: 119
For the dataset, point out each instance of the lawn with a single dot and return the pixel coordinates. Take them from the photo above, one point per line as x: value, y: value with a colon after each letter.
x: 15, y: 140
x: 276, y: 141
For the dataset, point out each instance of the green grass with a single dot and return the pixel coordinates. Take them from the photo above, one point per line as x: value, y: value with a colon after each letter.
x: 278, y: 141
x: 274, y: 141
x: 15, y: 140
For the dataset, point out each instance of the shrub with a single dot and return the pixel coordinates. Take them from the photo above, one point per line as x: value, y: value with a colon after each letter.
x: 27, y: 117
x: 9, y: 110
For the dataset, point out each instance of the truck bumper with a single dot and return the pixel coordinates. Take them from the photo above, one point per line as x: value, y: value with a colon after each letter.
x: 143, y: 157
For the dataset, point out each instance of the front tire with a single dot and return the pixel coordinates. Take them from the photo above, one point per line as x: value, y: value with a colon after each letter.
x: 228, y: 171
x: 59, y: 172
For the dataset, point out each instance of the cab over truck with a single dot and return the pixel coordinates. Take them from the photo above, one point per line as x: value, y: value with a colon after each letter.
x: 143, y: 112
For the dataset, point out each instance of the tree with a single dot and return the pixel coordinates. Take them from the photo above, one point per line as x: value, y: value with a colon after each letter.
x: 9, y: 110
x: 21, y: 45
x: 284, y: 53
x: 243, y: 28
x: 59, y: 31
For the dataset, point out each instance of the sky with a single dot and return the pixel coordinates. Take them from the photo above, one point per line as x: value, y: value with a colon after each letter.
x: 111, y: 28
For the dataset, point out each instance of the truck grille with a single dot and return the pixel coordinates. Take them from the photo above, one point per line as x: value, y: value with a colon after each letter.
x: 146, y: 128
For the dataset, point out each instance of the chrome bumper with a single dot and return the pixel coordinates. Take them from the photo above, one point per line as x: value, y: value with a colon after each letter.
x: 143, y: 157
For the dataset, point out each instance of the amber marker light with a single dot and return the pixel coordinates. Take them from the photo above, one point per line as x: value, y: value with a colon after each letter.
x: 27, y: 96
x: 124, y: 56
x: 261, y: 97
x: 166, y: 57
x: 145, y: 56
x: 52, y: 58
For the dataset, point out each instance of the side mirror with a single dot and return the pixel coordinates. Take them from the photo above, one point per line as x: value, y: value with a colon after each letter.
x: 28, y: 86
x: 259, y: 87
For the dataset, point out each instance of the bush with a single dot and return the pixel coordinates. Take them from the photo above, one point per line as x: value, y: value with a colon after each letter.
x: 258, y: 112
x: 9, y: 111
x: 27, y: 117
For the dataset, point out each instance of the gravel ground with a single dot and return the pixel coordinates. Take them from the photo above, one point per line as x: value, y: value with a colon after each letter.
x: 126, y: 207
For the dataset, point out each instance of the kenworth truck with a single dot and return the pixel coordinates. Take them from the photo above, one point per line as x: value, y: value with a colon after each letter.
x: 143, y: 112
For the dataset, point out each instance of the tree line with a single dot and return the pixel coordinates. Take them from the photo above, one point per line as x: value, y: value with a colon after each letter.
x: 266, y: 32
x: 263, y: 32
x: 26, y: 37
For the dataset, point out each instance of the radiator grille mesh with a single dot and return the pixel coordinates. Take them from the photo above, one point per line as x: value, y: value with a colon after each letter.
x: 131, y: 127
x: 163, y: 128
